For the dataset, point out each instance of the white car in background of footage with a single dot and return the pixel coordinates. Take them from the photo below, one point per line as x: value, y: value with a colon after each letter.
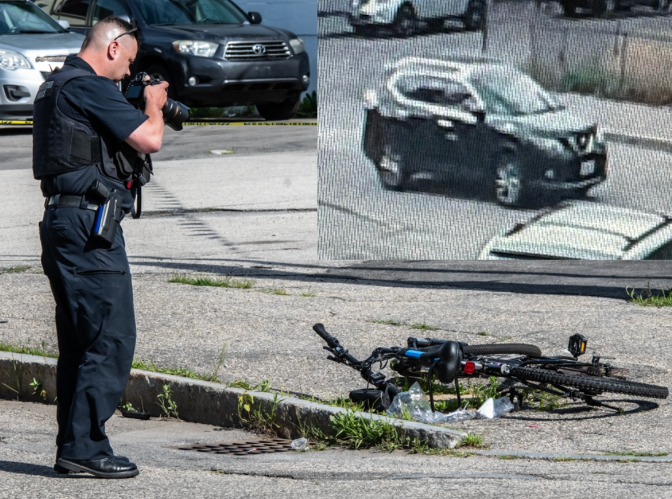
x: 32, y: 45
x: 582, y: 230
x: 407, y: 17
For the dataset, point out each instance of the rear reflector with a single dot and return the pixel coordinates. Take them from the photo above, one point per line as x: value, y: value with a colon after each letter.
x: 469, y: 368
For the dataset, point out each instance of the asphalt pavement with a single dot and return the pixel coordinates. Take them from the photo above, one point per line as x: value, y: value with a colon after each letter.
x: 358, y: 219
x: 27, y: 452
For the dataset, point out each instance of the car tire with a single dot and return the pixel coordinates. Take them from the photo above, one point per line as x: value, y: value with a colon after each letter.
x: 405, y: 22
x: 436, y: 25
x: 392, y: 170
x: 278, y: 111
x: 161, y: 72
x: 569, y: 8
x: 474, y: 18
x: 604, y: 8
x: 510, y: 182
x: 362, y: 31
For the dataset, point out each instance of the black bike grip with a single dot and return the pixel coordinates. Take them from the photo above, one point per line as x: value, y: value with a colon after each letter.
x: 322, y: 332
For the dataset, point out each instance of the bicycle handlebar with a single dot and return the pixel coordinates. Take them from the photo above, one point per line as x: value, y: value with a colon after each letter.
x: 322, y: 332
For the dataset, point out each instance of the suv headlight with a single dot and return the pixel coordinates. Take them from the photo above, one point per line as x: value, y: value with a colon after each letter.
x: 297, y: 46
x: 199, y: 48
x: 12, y: 61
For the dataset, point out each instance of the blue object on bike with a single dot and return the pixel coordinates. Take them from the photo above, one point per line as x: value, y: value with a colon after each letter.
x: 413, y: 354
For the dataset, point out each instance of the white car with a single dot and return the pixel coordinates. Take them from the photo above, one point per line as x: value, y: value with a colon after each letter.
x: 32, y: 45
x: 581, y: 230
x: 407, y: 17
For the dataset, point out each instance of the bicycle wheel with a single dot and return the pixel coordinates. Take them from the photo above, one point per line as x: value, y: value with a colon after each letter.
x: 588, y: 383
x: 512, y: 348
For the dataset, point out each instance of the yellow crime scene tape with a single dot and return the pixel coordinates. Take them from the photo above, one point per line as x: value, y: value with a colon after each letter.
x: 204, y: 123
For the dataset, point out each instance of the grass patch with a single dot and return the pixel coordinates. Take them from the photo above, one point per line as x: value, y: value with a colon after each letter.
x: 650, y: 298
x: 21, y: 268
x: 308, y: 106
x: 637, y: 454
x: 563, y: 459
x: 309, y: 294
x: 226, y: 282
x: 543, y: 401
x: 482, y: 333
x: 357, y: 432
x: 275, y: 291
x: 423, y: 327
x: 627, y: 460
x: 472, y: 440
x: 264, y: 386
x: 508, y: 456
x: 388, y: 322
x: 175, y: 371
x: 6, y: 347
x: 504, y: 338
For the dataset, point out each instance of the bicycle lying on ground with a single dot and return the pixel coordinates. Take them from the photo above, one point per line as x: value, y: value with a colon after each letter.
x: 522, y: 365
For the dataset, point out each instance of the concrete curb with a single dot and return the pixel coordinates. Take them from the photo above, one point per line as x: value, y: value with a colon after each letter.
x: 568, y: 455
x: 653, y: 143
x: 202, y: 401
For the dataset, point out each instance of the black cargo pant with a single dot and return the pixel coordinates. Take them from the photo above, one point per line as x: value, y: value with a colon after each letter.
x: 95, y: 324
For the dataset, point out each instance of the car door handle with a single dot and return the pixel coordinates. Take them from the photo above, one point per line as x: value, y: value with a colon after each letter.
x: 446, y: 124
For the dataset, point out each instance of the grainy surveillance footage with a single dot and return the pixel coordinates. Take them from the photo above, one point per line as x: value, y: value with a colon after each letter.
x: 462, y: 129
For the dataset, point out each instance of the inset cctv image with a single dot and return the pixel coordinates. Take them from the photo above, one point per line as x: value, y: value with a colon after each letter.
x: 476, y: 129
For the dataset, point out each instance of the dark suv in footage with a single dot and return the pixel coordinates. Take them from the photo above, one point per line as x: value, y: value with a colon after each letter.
x: 481, y: 122
x: 211, y: 52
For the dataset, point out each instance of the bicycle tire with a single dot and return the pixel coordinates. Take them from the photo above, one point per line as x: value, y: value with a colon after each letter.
x: 590, y: 383
x: 512, y: 348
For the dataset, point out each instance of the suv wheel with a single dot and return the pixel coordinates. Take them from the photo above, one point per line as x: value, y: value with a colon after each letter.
x: 603, y: 8
x: 474, y: 18
x: 569, y: 8
x: 405, y: 22
x: 161, y: 72
x: 509, y: 181
x: 391, y: 169
x: 277, y: 111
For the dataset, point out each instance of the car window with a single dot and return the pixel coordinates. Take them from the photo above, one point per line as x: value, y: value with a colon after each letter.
x: 191, y: 12
x: 435, y: 90
x: 662, y: 253
x: 24, y: 17
x: 107, y: 8
x: 73, y: 11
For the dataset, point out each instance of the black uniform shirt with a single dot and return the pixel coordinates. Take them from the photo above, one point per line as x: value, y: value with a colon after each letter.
x: 98, y: 103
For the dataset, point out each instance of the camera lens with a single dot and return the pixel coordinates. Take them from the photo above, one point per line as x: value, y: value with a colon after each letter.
x: 174, y: 114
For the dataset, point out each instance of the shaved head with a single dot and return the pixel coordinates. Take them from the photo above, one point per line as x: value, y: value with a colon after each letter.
x: 105, y: 31
x: 110, y: 49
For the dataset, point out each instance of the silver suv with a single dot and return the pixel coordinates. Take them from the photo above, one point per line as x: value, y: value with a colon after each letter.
x: 32, y: 45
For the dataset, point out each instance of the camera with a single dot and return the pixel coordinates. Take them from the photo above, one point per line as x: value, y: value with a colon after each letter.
x: 174, y: 113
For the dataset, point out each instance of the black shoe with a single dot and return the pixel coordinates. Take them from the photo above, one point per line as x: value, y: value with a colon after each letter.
x: 108, y: 467
x: 64, y: 471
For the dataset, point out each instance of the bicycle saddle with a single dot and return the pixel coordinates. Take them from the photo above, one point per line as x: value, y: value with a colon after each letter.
x: 449, y: 355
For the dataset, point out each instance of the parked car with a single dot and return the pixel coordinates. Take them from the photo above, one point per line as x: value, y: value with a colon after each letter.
x: 211, y: 52
x: 605, y: 8
x: 479, y: 121
x: 407, y: 17
x: 587, y: 231
x: 32, y: 45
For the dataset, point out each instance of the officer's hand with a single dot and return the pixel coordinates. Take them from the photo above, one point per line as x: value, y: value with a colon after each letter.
x: 156, y: 95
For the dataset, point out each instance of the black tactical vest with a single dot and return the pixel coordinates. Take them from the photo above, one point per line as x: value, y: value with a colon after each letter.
x: 61, y: 144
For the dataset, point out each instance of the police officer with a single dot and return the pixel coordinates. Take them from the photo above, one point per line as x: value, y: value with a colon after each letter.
x: 85, y: 131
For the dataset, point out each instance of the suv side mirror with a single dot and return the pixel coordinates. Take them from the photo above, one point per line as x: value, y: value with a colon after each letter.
x: 480, y: 116
x: 255, y: 17
x: 64, y: 24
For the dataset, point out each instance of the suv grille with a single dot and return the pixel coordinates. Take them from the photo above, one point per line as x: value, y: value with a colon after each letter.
x: 241, y: 51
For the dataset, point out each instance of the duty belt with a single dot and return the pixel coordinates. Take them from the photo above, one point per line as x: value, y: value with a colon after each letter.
x: 71, y: 202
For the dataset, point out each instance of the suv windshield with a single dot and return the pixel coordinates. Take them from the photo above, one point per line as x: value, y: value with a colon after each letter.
x: 507, y: 91
x: 191, y: 12
x: 24, y: 17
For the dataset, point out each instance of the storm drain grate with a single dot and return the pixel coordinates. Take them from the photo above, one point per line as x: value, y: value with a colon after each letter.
x: 243, y: 448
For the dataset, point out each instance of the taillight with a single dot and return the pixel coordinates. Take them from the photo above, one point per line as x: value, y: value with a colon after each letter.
x: 469, y: 367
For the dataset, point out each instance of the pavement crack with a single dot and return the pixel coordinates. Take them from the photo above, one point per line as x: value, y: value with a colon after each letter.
x: 254, y: 473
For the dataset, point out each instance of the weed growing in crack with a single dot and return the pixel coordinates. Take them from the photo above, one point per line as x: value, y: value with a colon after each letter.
x: 166, y: 403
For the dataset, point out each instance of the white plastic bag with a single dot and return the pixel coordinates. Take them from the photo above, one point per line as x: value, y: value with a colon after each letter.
x: 299, y: 444
x: 415, y: 403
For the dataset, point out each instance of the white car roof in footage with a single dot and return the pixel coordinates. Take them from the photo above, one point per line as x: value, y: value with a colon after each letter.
x: 585, y: 230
